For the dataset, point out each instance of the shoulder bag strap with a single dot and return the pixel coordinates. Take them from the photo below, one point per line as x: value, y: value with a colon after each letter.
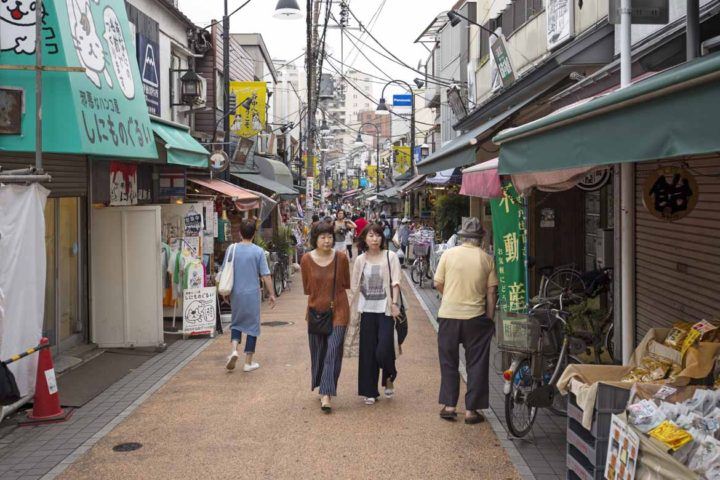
x: 332, y: 299
x: 402, y: 303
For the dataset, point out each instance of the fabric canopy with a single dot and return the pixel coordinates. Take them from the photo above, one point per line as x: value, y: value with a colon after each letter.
x: 671, y: 114
x: 391, y: 193
x: 181, y: 147
x: 451, y: 176
x: 283, y: 191
x: 244, y: 200
x: 482, y: 180
x: 351, y: 193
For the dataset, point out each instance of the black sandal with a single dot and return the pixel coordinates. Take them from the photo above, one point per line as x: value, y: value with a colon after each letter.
x: 446, y: 414
x: 325, y: 407
x: 475, y: 418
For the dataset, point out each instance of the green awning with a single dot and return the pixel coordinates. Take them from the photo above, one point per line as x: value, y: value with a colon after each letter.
x: 181, y: 147
x: 272, y: 186
x: 671, y: 114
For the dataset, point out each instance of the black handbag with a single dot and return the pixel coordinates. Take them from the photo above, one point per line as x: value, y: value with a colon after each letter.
x: 320, y: 323
x: 9, y: 392
x: 401, y: 324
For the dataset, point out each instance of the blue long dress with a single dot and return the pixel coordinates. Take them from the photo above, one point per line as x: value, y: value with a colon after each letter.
x: 249, y: 265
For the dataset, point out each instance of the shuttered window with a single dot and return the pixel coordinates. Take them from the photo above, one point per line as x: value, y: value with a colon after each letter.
x: 677, y: 264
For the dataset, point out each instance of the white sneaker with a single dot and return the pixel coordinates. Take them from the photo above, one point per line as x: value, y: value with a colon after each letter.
x: 369, y: 401
x: 390, y: 389
x: 251, y: 367
x: 231, y: 361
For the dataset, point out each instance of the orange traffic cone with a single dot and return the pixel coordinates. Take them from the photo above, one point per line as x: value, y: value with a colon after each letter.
x: 46, y: 405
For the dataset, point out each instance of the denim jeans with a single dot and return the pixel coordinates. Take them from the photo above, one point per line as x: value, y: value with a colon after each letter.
x: 249, y: 343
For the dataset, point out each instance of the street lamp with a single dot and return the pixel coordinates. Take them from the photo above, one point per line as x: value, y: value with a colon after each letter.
x: 359, y: 143
x: 382, y: 109
x: 287, y: 9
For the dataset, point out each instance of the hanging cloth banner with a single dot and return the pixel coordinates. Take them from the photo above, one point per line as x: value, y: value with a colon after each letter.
x: 250, y: 101
x: 510, y: 239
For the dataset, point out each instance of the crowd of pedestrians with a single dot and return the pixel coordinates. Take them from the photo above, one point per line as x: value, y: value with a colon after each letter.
x: 355, y: 309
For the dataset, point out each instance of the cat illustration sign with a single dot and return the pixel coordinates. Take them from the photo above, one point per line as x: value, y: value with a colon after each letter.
x: 99, y: 108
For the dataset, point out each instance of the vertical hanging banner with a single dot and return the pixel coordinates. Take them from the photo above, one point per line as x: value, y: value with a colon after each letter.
x: 309, y: 187
x: 250, y: 102
x: 510, y: 238
x: 123, y: 183
x: 402, y: 158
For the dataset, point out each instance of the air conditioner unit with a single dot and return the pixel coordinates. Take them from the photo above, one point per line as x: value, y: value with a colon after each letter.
x: 262, y: 143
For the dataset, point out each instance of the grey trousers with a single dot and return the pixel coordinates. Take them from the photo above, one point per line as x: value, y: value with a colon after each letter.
x: 475, y: 335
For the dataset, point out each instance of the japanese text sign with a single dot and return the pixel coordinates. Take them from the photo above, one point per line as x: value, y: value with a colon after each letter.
x: 248, y: 118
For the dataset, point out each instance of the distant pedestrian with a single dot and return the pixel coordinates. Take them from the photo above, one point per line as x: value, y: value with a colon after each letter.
x: 467, y: 280
x: 349, y: 240
x: 249, y: 264
x: 325, y: 271
x: 375, y: 285
x: 342, y: 224
x: 360, y: 223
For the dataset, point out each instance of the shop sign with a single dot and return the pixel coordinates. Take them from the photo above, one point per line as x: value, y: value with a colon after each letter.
x: 149, y: 61
x: 560, y: 22
x: 219, y: 161
x: 670, y: 193
x: 402, y: 158
x: 123, y: 183
x: 193, y: 223
x: 102, y: 109
x: 502, y: 61
x: 11, y: 110
x: 510, y: 239
x: 644, y: 12
x: 249, y: 115
x: 172, y: 184
x: 547, y: 218
x: 309, y: 192
x: 623, y: 450
x: 242, y: 150
x: 199, y: 310
x: 594, y: 180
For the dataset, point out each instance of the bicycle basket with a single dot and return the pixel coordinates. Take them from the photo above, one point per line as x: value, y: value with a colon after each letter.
x: 421, y: 249
x: 520, y: 332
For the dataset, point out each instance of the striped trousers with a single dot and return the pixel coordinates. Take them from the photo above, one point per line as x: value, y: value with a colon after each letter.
x: 326, y: 354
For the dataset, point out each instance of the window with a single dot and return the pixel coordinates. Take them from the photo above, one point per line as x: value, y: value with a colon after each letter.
x: 485, y: 40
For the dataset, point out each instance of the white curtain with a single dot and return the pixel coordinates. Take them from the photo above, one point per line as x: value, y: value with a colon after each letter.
x: 22, y: 276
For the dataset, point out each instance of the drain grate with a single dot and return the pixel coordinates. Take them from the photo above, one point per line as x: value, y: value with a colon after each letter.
x: 127, y: 447
x: 275, y: 323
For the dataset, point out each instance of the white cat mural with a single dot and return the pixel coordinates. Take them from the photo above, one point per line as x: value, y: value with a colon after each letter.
x: 86, y: 41
x: 118, y: 52
x: 17, y: 26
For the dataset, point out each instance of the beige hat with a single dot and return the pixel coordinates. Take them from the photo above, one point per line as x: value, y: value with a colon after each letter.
x: 471, y: 228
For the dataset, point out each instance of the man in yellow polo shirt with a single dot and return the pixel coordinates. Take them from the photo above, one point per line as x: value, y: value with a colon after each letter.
x: 467, y: 280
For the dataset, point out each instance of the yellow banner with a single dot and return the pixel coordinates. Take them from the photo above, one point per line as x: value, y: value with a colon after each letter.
x: 371, y: 173
x: 248, y: 118
x: 402, y: 158
x: 355, y: 182
x: 316, y: 170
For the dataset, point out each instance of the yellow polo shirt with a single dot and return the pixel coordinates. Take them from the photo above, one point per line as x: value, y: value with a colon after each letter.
x: 466, y: 273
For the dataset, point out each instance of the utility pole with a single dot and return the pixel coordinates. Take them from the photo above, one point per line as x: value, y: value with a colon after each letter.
x: 312, y: 15
x: 226, y: 79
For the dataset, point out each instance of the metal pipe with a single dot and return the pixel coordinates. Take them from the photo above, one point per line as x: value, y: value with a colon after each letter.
x: 627, y: 201
x: 226, y: 78
x: 692, y: 45
x: 19, y: 171
x: 38, y: 86
x: 25, y: 178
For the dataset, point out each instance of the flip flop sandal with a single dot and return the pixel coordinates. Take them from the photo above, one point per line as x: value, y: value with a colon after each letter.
x: 449, y: 415
x: 475, y: 418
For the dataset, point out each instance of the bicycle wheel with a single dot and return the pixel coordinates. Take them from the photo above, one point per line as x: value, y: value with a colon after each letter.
x: 415, y: 274
x: 567, y: 282
x: 519, y: 416
x: 277, y: 280
x: 285, y: 276
x: 559, y: 405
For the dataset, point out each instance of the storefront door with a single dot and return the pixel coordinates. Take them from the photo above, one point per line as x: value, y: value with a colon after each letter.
x: 65, y: 305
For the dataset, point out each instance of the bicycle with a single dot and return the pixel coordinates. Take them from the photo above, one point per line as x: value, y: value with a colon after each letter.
x: 279, y: 270
x: 541, y: 348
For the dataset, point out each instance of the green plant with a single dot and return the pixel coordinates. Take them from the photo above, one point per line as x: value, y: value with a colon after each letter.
x: 260, y: 241
x: 449, y: 210
x: 282, y: 240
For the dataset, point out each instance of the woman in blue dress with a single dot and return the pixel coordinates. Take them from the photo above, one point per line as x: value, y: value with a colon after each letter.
x: 249, y: 265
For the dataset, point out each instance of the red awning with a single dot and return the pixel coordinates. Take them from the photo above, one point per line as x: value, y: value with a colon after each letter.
x: 482, y: 180
x: 244, y: 200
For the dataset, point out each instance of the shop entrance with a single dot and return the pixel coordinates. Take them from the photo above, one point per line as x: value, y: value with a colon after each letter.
x: 65, y: 321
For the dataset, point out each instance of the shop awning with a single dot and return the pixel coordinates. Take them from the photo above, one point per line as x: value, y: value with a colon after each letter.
x: 243, y: 199
x: 416, y: 182
x: 267, y: 205
x: 274, y: 170
x: 482, y: 180
x: 671, y: 114
x: 461, y: 150
x: 283, y: 191
x: 351, y: 193
x: 450, y: 176
x: 180, y: 147
x: 391, y: 194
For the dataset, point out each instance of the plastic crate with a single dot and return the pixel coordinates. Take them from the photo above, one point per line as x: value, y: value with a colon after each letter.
x: 600, y: 428
x: 594, y: 450
x: 611, y: 399
x: 577, y: 464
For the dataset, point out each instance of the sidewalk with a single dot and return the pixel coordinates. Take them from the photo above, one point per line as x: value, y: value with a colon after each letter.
x: 543, y: 451
x: 208, y: 423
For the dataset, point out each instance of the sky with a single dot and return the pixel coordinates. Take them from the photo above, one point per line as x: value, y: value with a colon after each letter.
x: 400, y: 22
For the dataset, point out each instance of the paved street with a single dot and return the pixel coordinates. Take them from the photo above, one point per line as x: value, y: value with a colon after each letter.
x: 206, y: 422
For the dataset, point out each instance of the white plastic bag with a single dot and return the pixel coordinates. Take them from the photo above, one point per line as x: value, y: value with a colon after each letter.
x: 226, y: 276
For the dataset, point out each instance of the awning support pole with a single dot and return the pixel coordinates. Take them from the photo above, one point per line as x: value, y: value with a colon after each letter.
x: 627, y: 202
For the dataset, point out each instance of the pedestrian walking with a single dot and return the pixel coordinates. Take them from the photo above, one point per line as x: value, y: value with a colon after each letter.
x: 248, y: 263
x: 466, y: 278
x: 326, y: 278
x: 375, y: 284
x: 349, y: 240
x: 360, y: 224
x: 404, y: 236
x: 341, y: 226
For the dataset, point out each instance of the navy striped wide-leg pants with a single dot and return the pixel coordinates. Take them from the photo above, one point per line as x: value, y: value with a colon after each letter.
x: 326, y: 353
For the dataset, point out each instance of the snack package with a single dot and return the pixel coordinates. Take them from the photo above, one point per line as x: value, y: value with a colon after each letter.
x: 705, y: 456
x: 677, y: 335
x: 696, y: 333
x: 671, y: 435
x: 703, y: 401
x: 645, y: 415
x: 651, y: 369
x: 634, y: 375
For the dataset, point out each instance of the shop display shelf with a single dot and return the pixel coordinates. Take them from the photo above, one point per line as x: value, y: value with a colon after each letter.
x: 594, y: 450
x: 578, y: 465
x: 600, y: 428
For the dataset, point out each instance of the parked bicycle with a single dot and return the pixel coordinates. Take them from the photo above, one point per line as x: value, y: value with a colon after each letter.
x: 421, y: 244
x: 279, y: 268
